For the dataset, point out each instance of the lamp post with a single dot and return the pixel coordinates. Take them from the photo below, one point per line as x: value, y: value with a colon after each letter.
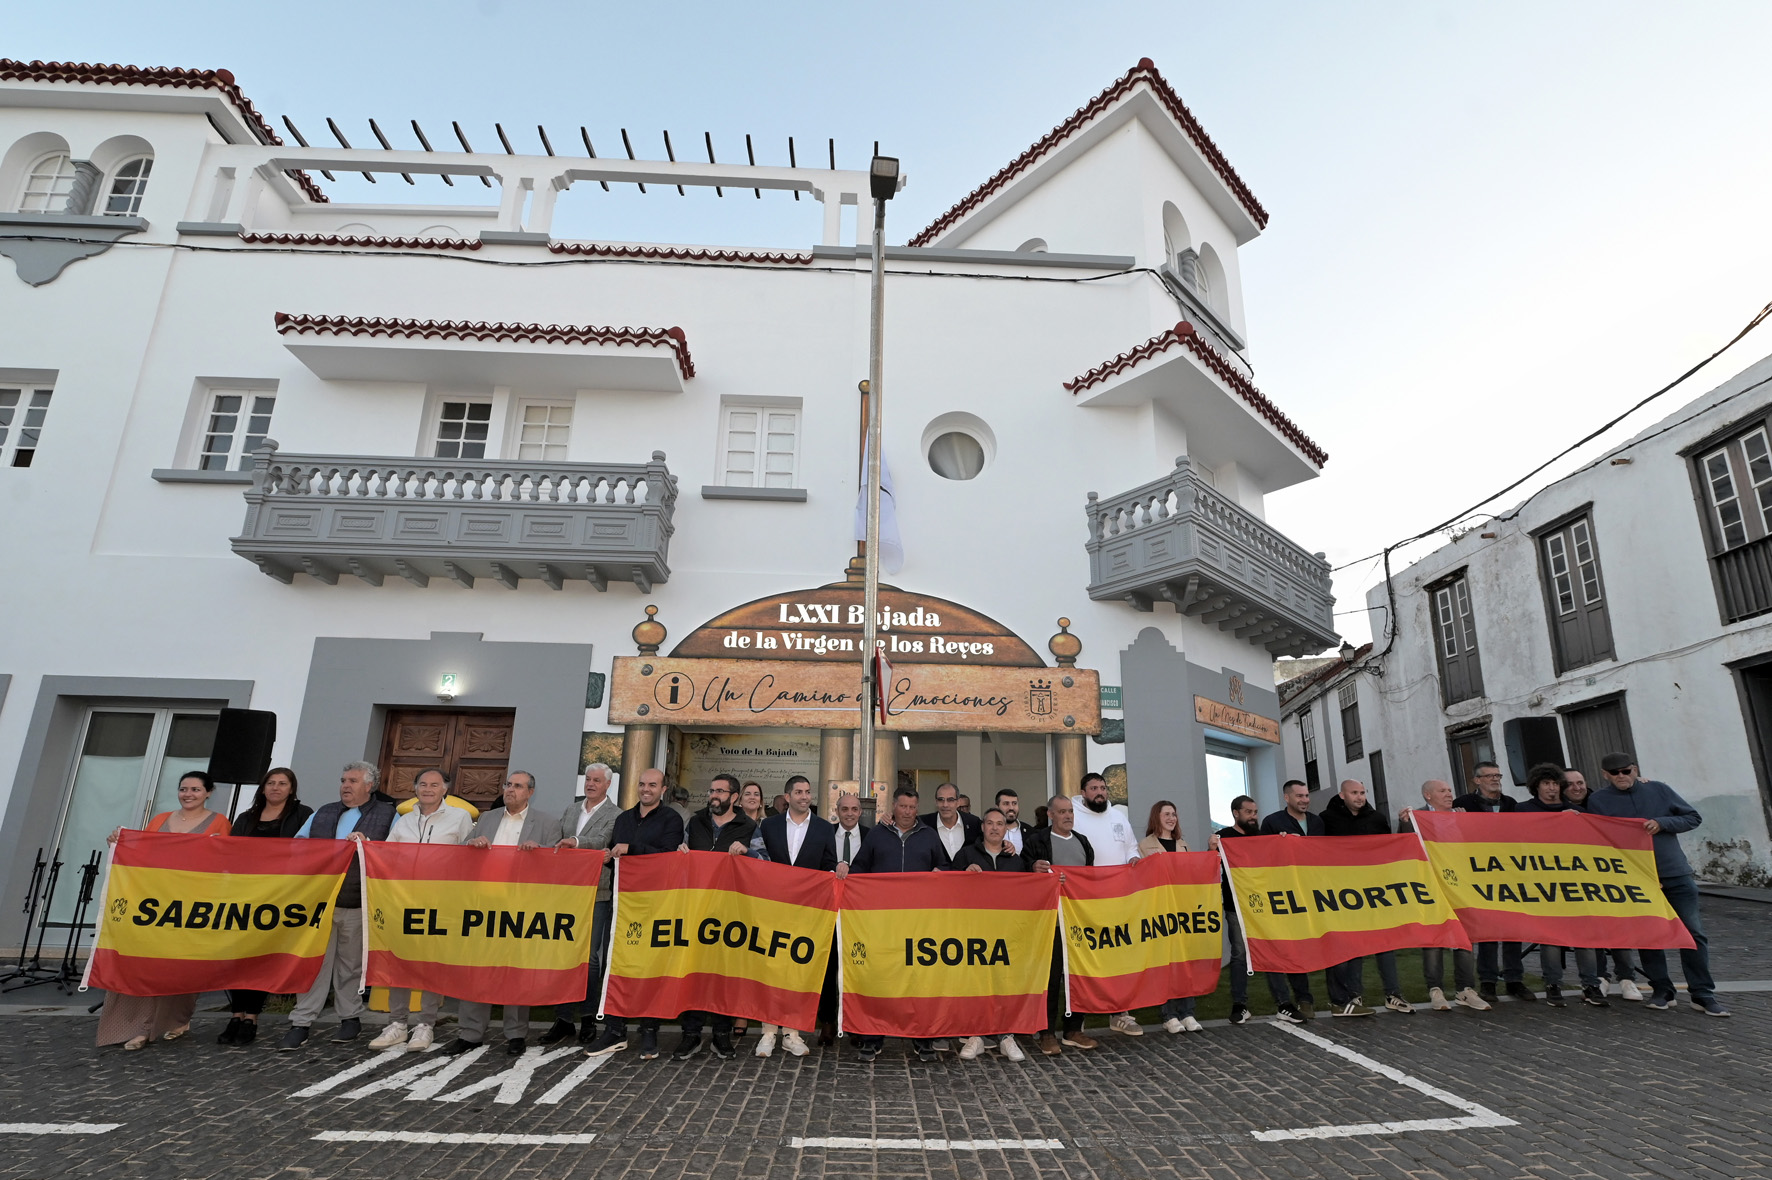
x: 882, y: 184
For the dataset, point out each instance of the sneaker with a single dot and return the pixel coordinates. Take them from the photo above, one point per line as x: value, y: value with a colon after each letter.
x: 688, y: 1047
x: 1710, y: 1006
x: 348, y: 1030
x: 1048, y: 1045
x: 1307, y: 1009
x: 1010, y: 1050
x: 1595, y: 997
x: 1628, y: 990
x: 649, y: 1044
x: 1080, y: 1040
x: 766, y: 1045
x: 794, y: 1043
x: 1289, y: 1015
x: 420, y: 1039
x: 722, y: 1043
x: 1399, y: 1004
x: 1475, y: 1000
x: 1172, y: 1025
x: 1487, y: 992
x: 1189, y: 1024
x: 230, y: 1035
x: 1125, y: 1022
x: 1522, y: 993
x: 458, y: 1046
x: 925, y: 1052
x: 610, y: 1042
x: 1437, y: 998
x: 971, y: 1049
x: 1351, y: 1008
x: 295, y: 1038
x: 394, y: 1034
x: 1661, y: 1001
x: 514, y: 1046
x: 866, y: 1053
x: 1553, y: 996
x: 1240, y: 1014
x: 559, y: 1031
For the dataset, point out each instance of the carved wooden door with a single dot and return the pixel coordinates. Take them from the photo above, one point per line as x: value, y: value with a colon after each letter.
x: 473, y: 748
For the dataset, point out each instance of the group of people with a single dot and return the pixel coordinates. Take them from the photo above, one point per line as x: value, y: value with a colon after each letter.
x: 1081, y: 830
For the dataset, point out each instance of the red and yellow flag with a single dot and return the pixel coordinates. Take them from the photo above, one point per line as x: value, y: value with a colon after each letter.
x: 495, y: 925
x: 1142, y: 934
x: 713, y: 932
x: 1563, y: 878
x: 183, y: 914
x: 946, y: 954
x: 1310, y: 902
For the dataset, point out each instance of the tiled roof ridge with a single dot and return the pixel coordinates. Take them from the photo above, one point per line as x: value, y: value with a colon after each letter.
x: 672, y: 338
x: 683, y: 253
x: 354, y: 240
x: 1144, y: 73
x: 1183, y: 335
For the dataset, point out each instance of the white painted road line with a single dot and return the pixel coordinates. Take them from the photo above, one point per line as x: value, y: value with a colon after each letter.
x: 511, y: 1082
x: 57, y: 1128
x: 1476, y: 1116
x: 931, y: 1144
x: 497, y: 1138
x: 565, y: 1085
x: 343, y: 1076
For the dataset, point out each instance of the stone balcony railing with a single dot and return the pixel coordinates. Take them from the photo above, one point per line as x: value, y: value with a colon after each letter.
x: 1180, y: 540
x: 372, y: 518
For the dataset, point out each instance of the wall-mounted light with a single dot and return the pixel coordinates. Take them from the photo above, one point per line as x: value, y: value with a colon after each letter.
x: 446, y: 686
x: 906, y: 739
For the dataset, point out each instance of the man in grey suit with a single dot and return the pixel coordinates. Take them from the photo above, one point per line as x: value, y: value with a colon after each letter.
x: 588, y: 823
x: 516, y: 825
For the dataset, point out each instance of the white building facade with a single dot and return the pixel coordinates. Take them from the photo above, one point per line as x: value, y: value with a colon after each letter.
x: 1627, y: 606
x: 264, y: 450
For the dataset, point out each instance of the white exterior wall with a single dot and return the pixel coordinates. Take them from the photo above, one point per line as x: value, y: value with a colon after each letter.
x: 1672, y: 652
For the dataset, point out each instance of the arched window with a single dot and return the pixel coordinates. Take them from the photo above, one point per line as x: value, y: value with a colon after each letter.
x: 1176, y: 240
x: 47, y: 184
x: 128, y: 183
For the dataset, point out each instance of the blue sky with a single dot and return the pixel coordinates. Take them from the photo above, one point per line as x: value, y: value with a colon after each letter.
x: 1493, y: 226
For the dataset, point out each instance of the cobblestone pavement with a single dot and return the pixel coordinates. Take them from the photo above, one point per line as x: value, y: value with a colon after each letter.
x: 1616, y: 1093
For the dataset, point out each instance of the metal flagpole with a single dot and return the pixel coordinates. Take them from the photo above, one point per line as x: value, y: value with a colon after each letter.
x: 882, y: 183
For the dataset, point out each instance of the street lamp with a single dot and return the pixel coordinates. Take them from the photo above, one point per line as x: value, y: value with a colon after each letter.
x: 882, y: 185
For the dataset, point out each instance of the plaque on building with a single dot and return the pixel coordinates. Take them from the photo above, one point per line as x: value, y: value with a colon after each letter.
x: 1234, y: 720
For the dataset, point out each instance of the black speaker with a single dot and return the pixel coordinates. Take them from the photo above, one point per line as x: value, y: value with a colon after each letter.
x: 1529, y: 741
x: 242, y: 750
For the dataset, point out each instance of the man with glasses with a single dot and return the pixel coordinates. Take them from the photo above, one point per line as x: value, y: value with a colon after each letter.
x: 1512, y: 968
x: 1664, y: 815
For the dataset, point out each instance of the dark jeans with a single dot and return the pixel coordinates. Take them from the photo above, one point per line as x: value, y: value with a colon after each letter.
x: 1352, y: 982
x: 1176, y: 1009
x: 1287, y: 989
x: 246, y: 1002
x: 1624, y: 964
x: 601, y: 914
x: 1433, y: 968
x: 1239, y: 964
x: 1682, y: 894
x: 1550, y: 965
x: 1513, y: 962
x: 691, y: 1023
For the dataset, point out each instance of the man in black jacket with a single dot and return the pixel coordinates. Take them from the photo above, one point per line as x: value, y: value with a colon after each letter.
x: 1053, y: 849
x: 646, y: 829
x: 804, y: 840
x: 953, y: 827
x: 1016, y: 832
x: 905, y: 845
x: 1512, y: 966
x: 1292, y: 993
x: 1245, y: 821
x: 992, y: 853
x: 718, y: 827
x: 1349, y: 814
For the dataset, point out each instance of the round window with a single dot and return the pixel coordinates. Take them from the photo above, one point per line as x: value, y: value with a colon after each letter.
x: 956, y: 455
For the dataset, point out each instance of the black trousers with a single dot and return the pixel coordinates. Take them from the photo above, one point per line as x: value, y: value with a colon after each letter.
x: 1056, y: 1017
x: 249, y: 1002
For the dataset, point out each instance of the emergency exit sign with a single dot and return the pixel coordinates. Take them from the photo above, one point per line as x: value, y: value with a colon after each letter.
x: 1110, y: 696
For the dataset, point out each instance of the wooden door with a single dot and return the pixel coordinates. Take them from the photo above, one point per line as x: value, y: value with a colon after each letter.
x: 1595, y: 730
x: 473, y: 748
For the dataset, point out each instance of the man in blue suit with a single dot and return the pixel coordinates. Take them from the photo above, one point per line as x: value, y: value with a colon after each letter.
x: 799, y: 838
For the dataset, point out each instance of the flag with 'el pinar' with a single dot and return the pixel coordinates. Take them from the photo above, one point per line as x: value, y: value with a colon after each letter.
x: 1311, y: 902
x: 186, y: 913
x: 1562, y: 878
x: 496, y: 925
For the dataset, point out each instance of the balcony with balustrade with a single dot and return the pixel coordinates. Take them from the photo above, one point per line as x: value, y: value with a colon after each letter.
x: 332, y: 516
x: 1179, y: 540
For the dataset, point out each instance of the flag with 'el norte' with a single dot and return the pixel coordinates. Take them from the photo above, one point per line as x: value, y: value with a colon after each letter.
x: 1562, y: 878
x: 708, y: 931
x: 1310, y: 902
x: 946, y: 954
x: 497, y: 925
x: 182, y: 914
x: 1141, y: 934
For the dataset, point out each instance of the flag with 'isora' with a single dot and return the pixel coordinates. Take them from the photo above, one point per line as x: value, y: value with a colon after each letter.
x: 183, y: 913
x: 708, y: 931
x: 1310, y: 902
x: 946, y: 954
x: 1141, y: 934
x: 497, y: 925
x: 1562, y: 878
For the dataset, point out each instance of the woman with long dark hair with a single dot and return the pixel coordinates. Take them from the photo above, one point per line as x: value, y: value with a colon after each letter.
x: 276, y: 812
x: 1162, y: 833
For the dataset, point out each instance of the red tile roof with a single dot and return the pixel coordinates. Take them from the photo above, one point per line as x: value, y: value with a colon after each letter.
x: 356, y: 242
x: 1182, y: 335
x: 683, y: 253
x: 335, y: 325
x: 172, y: 76
x: 1143, y: 74
x: 1291, y: 690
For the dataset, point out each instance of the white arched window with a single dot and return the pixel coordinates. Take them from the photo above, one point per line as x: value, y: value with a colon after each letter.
x: 47, y: 184
x: 128, y: 183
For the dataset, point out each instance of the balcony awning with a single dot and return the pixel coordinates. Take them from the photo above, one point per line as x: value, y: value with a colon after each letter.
x: 462, y: 354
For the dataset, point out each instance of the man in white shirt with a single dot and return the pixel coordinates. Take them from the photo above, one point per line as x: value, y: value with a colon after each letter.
x: 589, y: 823
x: 516, y: 825
x: 799, y: 838
x: 953, y: 827
x: 1109, y: 829
x: 431, y: 822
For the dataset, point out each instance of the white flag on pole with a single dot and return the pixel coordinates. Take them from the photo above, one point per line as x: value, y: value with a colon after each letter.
x: 891, y: 547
